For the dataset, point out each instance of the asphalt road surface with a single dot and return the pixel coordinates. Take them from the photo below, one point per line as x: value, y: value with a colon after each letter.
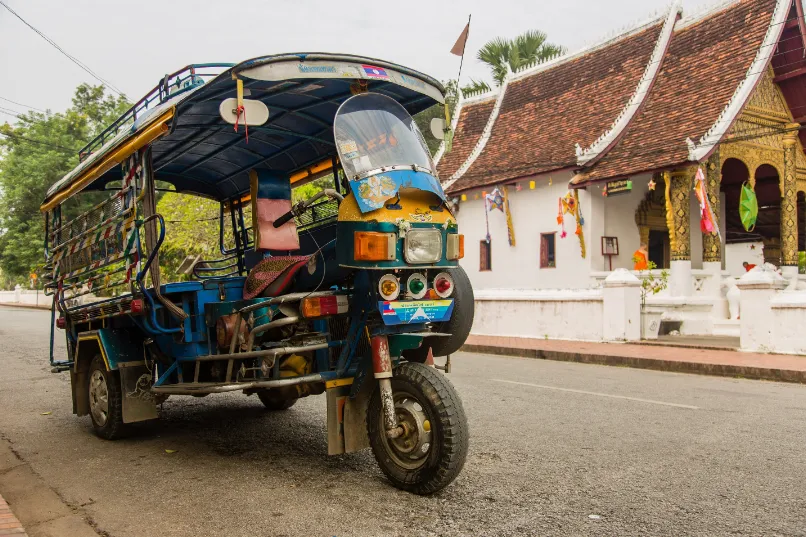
x: 556, y: 449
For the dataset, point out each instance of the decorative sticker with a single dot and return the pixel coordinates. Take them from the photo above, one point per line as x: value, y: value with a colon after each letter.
x: 375, y: 190
x: 348, y: 146
x: 421, y: 216
x: 371, y: 192
x: 417, y: 311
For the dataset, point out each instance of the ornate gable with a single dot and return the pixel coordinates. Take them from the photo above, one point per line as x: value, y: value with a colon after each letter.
x: 765, y: 112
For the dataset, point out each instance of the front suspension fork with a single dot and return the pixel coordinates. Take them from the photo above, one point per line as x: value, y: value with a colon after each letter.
x: 382, y: 367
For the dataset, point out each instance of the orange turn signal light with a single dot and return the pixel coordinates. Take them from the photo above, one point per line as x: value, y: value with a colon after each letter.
x: 372, y: 246
x: 323, y: 306
x: 455, y: 246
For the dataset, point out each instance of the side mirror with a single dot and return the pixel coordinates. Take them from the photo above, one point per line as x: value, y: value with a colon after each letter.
x: 255, y: 112
x: 438, y: 126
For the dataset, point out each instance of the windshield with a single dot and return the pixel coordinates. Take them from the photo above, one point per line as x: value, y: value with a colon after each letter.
x: 373, y: 131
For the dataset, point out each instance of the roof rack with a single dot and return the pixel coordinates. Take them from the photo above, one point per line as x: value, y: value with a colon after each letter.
x: 171, y: 85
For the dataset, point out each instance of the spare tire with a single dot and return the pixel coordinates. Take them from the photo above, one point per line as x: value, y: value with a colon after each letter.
x: 458, y: 325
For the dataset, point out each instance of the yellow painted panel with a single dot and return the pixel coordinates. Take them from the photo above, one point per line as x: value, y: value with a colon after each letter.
x: 414, y: 208
x: 113, y: 158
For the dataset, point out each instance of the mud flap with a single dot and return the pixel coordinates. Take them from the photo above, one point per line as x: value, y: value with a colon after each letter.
x: 347, y: 418
x: 138, y: 401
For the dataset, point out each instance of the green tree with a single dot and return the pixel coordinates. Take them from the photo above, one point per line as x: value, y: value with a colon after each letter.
x: 475, y: 86
x: 423, y: 119
x: 34, y: 154
x: 525, y: 49
x: 191, y: 224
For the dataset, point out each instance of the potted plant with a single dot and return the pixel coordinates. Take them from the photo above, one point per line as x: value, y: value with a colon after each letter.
x: 651, y: 284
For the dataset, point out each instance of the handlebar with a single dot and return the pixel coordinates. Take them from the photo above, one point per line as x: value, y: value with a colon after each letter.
x: 302, y: 206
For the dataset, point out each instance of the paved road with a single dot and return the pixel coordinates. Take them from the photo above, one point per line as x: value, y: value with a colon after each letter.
x: 552, y: 443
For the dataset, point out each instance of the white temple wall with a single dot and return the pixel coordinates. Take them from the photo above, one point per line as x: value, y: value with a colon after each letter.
x: 533, y: 212
x: 619, y: 221
x: 539, y: 314
x: 736, y: 254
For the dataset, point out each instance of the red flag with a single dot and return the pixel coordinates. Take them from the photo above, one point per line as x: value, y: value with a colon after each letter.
x: 459, y: 47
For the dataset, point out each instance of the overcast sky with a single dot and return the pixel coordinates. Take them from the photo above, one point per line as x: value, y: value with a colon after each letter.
x: 133, y: 44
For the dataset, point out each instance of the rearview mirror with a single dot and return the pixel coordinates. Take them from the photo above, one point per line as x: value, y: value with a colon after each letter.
x: 255, y: 112
x: 438, y: 128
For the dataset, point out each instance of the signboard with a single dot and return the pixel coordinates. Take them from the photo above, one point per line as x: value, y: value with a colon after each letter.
x: 619, y: 187
x: 417, y: 311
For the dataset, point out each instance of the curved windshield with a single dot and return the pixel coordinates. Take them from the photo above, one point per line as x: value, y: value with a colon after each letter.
x: 373, y: 131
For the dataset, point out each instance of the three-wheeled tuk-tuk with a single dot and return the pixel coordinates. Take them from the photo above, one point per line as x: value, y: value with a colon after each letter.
x: 349, y: 293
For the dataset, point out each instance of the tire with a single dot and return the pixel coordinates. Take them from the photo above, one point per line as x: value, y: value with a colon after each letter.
x: 272, y: 402
x: 449, y: 435
x: 105, y: 400
x: 458, y: 325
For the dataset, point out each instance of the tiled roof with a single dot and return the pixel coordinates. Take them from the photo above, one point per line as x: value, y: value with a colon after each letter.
x: 472, y: 119
x: 546, y: 112
x: 705, y: 63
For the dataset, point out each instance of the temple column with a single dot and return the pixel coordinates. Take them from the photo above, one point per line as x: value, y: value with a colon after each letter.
x: 680, y: 199
x: 789, y: 208
x: 643, y: 235
x: 711, y: 242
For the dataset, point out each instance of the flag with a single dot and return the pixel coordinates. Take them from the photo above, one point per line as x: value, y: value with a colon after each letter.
x: 459, y: 47
x: 708, y: 223
x: 374, y: 72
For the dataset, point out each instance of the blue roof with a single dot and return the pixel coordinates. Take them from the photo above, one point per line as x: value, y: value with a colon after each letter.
x: 203, y: 154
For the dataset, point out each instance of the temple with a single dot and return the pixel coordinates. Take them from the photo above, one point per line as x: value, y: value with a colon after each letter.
x: 592, y: 153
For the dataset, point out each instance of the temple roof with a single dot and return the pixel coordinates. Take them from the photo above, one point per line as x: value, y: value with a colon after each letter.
x: 706, y: 77
x: 471, y: 121
x: 547, y: 109
x: 659, y: 96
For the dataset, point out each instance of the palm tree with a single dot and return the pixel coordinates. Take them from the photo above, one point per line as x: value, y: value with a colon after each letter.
x: 527, y: 48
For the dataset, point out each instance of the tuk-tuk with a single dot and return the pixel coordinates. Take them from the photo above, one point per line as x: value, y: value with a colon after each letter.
x: 350, y: 293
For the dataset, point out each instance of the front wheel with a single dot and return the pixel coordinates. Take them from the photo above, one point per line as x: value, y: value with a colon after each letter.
x: 432, y: 450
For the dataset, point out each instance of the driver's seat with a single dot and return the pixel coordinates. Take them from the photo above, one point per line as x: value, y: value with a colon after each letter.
x: 271, y: 198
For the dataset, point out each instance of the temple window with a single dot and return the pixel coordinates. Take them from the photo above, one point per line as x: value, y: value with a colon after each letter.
x: 547, y: 257
x: 485, y: 256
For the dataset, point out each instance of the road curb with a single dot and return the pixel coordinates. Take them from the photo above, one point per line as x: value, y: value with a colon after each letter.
x: 35, y: 505
x: 27, y: 306
x: 719, y: 370
x: 9, y: 525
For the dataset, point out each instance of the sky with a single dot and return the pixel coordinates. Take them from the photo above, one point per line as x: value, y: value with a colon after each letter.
x: 133, y: 44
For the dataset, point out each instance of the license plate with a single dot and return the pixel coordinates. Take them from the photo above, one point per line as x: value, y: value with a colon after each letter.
x: 415, y: 311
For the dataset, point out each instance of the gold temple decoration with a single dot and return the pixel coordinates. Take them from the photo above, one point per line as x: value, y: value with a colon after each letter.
x: 579, y: 231
x: 789, y: 202
x: 680, y: 199
x: 757, y: 137
x: 711, y: 243
x: 670, y: 211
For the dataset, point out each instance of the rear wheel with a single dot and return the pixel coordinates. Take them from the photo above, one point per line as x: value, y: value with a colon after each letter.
x: 432, y: 450
x: 458, y: 326
x: 105, y: 400
x: 272, y: 402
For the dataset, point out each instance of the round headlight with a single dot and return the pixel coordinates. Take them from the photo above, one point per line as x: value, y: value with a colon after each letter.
x: 417, y: 286
x: 389, y: 287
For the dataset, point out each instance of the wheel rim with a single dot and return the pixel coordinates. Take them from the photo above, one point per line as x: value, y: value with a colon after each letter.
x: 411, y: 449
x: 99, y: 398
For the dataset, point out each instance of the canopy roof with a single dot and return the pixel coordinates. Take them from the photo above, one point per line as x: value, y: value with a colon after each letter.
x: 196, y: 151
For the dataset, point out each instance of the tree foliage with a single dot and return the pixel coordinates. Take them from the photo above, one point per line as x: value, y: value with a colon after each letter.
x: 503, y: 55
x: 423, y: 119
x: 34, y: 154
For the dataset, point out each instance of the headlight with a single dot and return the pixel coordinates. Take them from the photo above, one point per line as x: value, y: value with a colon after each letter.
x: 423, y: 246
